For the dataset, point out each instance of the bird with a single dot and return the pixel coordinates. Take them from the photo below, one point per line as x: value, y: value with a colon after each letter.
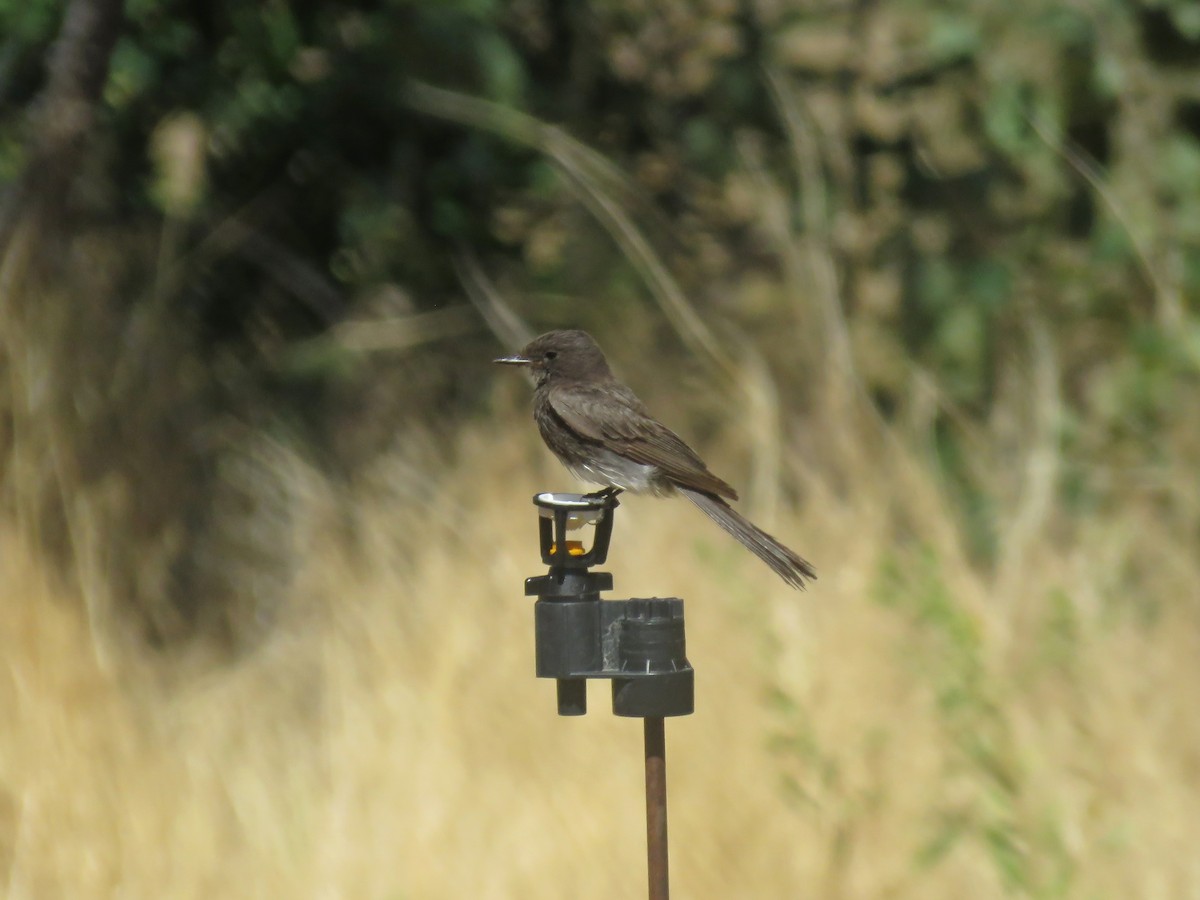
x: 605, y: 435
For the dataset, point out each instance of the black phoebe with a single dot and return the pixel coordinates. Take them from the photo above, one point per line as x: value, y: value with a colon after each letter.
x: 604, y: 434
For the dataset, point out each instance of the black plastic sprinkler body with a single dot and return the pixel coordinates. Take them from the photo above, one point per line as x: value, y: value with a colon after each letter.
x: 638, y: 644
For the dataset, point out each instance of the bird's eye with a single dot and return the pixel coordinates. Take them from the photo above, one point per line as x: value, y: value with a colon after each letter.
x: 551, y: 354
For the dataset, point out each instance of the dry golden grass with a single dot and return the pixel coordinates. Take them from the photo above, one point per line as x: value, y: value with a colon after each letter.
x: 904, y: 729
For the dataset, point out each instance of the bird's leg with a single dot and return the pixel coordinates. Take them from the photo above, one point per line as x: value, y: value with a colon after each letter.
x: 608, y: 493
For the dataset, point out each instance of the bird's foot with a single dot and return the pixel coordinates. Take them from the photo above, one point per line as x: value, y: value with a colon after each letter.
x: 608, y: 493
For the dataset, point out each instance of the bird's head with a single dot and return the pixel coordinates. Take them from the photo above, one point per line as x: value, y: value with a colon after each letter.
x: 562, y: 356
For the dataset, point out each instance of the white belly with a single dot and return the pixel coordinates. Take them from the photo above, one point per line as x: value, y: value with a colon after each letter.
x: 610, y: 470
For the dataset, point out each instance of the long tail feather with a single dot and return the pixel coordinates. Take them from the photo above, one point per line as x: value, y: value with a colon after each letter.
x: 788, y: 565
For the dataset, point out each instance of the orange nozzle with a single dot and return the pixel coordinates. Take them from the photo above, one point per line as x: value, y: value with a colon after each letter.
x: 574, y: 548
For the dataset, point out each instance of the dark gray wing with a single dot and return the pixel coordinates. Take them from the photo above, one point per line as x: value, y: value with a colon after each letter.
x: 610, y: 414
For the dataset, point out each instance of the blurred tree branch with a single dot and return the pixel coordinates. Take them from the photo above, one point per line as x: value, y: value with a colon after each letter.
x: 64, y: 113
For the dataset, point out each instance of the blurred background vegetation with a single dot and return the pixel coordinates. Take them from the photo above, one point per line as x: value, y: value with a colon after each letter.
x: 924, y: 277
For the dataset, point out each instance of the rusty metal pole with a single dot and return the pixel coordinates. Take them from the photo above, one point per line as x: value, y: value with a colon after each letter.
x: 656, y: 809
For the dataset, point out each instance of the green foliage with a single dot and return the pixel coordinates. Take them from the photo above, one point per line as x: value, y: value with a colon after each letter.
x: 998, y: 126
x: 29, y: 22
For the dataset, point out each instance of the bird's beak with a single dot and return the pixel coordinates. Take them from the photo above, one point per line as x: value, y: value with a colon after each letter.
x: 517, y: 360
